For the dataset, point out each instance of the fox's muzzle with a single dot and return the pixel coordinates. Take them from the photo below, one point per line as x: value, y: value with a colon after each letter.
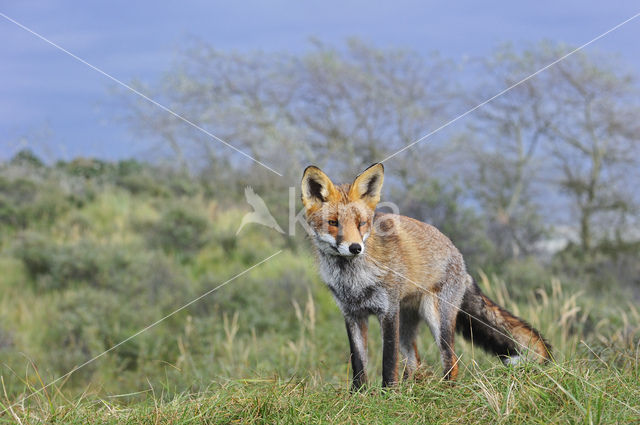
x: 350, y: 249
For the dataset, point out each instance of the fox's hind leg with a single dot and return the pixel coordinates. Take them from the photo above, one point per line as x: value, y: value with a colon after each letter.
x: 447, y: 345
x: 409, y: 321
x: 441, y: 317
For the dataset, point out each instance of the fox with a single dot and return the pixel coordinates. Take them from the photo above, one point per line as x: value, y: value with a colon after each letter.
x: 402, y: 271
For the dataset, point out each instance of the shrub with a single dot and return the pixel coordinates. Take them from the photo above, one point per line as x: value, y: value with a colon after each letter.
x: 179, y: 230
x: 141, y: 183
x: 59, y: 266
x: 182, y: 185
x: 611, y: 265
x: 37, y: 253
x: 55, y: 266
x: 9, y: 214
x: 87, y: 167
x: 23, y: 202
x: 47, y: 207
x: 129, y: 167
x: 20, y: 191
x: 84, y: 322
x: 27, y: 157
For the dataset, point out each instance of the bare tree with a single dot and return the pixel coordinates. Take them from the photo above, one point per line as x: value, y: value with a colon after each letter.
x: 342, y: 108
x: 570, y: 133
x: 503, y: 149
x: 595, y: 143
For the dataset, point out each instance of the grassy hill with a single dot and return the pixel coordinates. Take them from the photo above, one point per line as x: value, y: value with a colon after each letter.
x: 92, y: 252
x: 556, y: 394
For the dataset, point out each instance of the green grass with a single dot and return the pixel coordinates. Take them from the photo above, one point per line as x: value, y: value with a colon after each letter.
x: 578, y: 392
x: 83, y: 269
x: 304, y: 378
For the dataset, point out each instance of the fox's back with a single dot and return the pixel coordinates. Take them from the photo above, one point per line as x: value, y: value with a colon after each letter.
x: 418, y: 251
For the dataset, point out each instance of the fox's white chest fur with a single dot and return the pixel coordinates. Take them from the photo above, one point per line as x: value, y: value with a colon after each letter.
x: 355, y: 284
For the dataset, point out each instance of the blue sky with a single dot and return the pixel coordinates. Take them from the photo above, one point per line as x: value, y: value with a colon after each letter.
x: 62, y: 108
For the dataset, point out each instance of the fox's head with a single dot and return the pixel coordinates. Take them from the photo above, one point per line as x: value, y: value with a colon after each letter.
x: 341, y: 217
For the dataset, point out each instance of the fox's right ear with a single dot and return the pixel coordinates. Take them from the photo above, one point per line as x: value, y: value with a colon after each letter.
x: 316, y: 187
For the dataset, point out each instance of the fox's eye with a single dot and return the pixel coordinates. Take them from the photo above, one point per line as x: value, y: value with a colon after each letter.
x: 362, y: 223
x: 333, y: 223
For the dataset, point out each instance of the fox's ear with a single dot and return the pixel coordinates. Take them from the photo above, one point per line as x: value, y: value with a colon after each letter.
x: 316, y: 187
x: 367, y: 185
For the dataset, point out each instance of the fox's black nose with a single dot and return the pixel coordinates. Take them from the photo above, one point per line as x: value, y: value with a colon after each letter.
x: 355, y: 248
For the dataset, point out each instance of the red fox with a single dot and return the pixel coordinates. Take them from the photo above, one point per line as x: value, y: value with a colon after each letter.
x: 402, y: 270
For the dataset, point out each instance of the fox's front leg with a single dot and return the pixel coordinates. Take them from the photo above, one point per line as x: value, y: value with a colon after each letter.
x: 357, y: 330
x: 390, y: 324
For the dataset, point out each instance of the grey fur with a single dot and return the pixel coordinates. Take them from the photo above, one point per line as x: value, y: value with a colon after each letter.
x: 355, y: 285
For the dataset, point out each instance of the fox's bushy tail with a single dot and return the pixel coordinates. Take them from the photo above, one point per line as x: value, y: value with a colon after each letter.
x: 493, y: 328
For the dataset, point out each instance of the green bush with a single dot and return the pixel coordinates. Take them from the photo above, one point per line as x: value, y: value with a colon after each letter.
x: 48, y: 206
x: 9, y: 214
x: 24, y: 202
x: 182, y: 185
x: 84, y: 322
x: 141, y: 184
x: 27, y: 157
x: 53, y: 266
x: 129, y: 167
x: 87, y: 168
x: 610, y: 262
x: 20, y: 191
x: 140, y: 178
x: 36, y: 252
x: 179, y: 230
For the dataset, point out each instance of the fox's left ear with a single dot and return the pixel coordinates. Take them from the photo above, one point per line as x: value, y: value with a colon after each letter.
x: 368, y: 185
